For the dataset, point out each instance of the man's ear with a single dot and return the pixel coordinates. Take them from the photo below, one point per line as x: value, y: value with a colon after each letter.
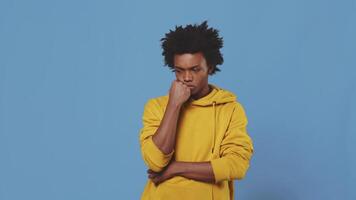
x: 210, y: 70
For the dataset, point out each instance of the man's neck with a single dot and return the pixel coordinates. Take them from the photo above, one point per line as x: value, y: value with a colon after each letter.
x: 204, y: 93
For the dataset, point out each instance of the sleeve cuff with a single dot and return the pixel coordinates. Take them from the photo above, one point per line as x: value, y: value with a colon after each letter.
x: 158, y: 158
x: 218, y: 166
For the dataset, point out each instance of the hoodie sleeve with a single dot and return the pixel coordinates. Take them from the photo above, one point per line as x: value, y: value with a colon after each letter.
x: 153, y: 157
x: 236, y: 149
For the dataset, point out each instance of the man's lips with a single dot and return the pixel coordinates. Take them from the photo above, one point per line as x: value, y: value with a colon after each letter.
x: 190, y: 86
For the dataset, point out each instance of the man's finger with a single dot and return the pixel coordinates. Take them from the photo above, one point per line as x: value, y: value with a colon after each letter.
x: 152, y: 175
x: 155, y: 181
x: 158, y: 179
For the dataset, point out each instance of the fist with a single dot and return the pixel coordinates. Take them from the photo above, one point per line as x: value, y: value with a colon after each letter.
x: 179, y: 92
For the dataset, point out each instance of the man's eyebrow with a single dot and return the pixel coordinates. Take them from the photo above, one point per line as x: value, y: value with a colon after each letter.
x: 188, y: 68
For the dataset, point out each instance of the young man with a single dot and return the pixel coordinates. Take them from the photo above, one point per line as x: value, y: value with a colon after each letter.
x: 194, y: 139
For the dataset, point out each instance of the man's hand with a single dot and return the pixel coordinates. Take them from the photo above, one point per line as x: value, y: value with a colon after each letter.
x: 179, y: 93
x: 158, y: 177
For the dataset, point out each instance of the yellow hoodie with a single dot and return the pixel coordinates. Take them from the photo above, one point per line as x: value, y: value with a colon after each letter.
x: 212, y: 128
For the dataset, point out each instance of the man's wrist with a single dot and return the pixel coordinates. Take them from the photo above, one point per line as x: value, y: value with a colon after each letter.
x: 174, y: 105
x: 178, y: 168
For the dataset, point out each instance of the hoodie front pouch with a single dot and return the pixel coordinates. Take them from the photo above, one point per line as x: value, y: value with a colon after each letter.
x: 179, y: 188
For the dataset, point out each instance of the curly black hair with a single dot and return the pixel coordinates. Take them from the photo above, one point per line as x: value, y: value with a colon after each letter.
x: 192, y: 39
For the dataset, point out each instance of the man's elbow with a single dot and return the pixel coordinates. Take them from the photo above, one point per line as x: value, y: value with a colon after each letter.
x: 154, y: 165
x: 240, y: 174
x: 154, y: 158
x: 230, y: 167
x: 155, y: 168
x: 239, y: 169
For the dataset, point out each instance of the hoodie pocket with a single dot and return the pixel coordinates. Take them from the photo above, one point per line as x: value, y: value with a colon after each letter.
x: 183, y: 189
x: 178, y: 181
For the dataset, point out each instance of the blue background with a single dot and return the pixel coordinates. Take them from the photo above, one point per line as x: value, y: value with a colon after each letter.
x: 74, y: 76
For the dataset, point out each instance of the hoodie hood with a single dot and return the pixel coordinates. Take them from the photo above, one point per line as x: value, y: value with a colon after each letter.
x: 217, y: 95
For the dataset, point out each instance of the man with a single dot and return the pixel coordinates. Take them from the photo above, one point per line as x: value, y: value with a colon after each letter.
x: 194, y: 139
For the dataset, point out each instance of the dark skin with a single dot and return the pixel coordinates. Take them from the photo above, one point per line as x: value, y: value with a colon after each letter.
x: 190, y: 70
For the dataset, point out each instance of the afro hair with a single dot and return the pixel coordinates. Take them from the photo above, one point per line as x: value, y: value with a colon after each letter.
x: 192, y: 39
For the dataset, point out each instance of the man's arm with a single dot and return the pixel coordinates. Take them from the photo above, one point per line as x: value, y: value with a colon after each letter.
x: 157, y: 137
x: 158, y: 134
x: 165, y: 135
x: 199, y: 171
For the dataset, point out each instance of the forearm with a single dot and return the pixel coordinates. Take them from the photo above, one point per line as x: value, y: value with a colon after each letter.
x: 165, y: 135
x: 199, y: 171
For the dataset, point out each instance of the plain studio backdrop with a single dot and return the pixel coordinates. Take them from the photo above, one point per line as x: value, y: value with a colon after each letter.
x: 74, y: 77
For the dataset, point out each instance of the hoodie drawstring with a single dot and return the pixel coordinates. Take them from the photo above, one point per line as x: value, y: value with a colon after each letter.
x: 214, y: 108
x: 212, y: 149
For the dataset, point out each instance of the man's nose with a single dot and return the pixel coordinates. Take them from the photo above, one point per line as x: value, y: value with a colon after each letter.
x: 187, y: 76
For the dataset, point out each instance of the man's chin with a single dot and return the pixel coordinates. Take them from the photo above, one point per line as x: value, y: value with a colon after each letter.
x: 192, y: 97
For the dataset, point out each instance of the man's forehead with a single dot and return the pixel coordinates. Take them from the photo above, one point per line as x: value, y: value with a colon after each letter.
x: 187, y: 67
x: 188, y: 60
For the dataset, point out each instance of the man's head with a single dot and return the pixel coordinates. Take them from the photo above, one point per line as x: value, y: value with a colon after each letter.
x: 193, y: 53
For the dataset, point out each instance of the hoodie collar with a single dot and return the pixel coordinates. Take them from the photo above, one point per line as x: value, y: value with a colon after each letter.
x: 217, y: 95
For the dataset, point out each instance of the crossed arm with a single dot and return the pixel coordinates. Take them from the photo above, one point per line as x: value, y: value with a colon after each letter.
x: 200, y: 171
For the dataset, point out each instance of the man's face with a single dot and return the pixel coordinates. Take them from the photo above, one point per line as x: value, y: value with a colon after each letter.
x: 193, y: 70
